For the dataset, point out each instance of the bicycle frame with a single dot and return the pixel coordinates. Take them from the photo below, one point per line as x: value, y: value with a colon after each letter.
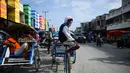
x: 66, y: 56
x: 67, y: 64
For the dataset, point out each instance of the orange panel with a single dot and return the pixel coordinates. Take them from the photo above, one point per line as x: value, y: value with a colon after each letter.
x: 2, y: 5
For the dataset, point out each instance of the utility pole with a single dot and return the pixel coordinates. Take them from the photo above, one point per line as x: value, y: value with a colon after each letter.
x: 45, y: 16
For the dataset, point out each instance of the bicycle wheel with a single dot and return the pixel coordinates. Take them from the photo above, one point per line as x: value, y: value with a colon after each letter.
x: 37, y: 59
x: 68, y: 63
x: 53, y: 59
x: 74, y: 58
x: 53, y: 56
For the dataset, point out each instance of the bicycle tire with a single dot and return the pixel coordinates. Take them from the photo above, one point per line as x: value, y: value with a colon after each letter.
x: 74, y: 60
x: 37, y: 62
x: 53, y: 59
x: 68, y: 63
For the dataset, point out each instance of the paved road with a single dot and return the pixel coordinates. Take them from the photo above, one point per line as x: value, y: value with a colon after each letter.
x: 90, y: 59
x: 107, y: 59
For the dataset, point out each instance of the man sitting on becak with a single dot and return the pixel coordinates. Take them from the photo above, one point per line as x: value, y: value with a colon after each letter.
x: 15, y: 47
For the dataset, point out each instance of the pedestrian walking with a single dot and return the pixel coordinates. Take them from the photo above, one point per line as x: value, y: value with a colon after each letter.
x: 49, y: 39
x: 98, y: 41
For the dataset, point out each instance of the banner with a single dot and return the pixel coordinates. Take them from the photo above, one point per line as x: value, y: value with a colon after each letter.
x: 47, y: 25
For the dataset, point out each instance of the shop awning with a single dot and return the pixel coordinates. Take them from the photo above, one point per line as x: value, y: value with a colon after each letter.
x: 13, y: 26
x: 118, y: 33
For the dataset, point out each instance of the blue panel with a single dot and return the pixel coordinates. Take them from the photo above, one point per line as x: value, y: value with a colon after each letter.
x: 12, y: 55
x: 33, y: 10
x: 33, y: 14
x: 3, y: 54
x: 60, y: 52
x: 31, y: 54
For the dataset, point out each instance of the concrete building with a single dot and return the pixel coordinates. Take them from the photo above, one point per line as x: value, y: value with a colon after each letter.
x: 78, y: 30
x: 101, y: 22
x: 85, y: 28
x: 98, y: 25
x: 125, y: 2
x: 119, y: 18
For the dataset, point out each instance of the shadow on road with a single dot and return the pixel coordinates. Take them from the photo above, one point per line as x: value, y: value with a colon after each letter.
x: 43, y: 52
x: 112, y: 50
x: 113, y: 60
x: 120, y: 56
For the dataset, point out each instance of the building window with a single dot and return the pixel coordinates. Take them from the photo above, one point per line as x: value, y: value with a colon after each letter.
x: 98, y: 23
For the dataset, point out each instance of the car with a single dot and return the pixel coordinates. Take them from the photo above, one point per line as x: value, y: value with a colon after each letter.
x: 80, y: 38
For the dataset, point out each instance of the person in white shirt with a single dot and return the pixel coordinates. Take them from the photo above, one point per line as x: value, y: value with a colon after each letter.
x: 65, y: 34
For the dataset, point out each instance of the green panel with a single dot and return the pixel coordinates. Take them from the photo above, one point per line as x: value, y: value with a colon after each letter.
x: 28, y: 12
x: 28, y: 21
x: 27, y: 7
x: 27, y: 17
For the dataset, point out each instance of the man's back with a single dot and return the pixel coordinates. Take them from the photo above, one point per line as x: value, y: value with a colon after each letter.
x: 62, y: 36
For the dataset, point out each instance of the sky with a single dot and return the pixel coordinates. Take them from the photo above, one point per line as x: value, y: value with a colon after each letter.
x: 80, y: 10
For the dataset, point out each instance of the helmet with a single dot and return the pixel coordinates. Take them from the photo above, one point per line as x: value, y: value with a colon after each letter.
x: 67, y: 18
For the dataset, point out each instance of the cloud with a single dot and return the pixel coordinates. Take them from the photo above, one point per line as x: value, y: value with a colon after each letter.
x: 81, y: 10
x: 86, y: 10
x: 38, y: 1
x: 115, y: 4
x: 61, y: 3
